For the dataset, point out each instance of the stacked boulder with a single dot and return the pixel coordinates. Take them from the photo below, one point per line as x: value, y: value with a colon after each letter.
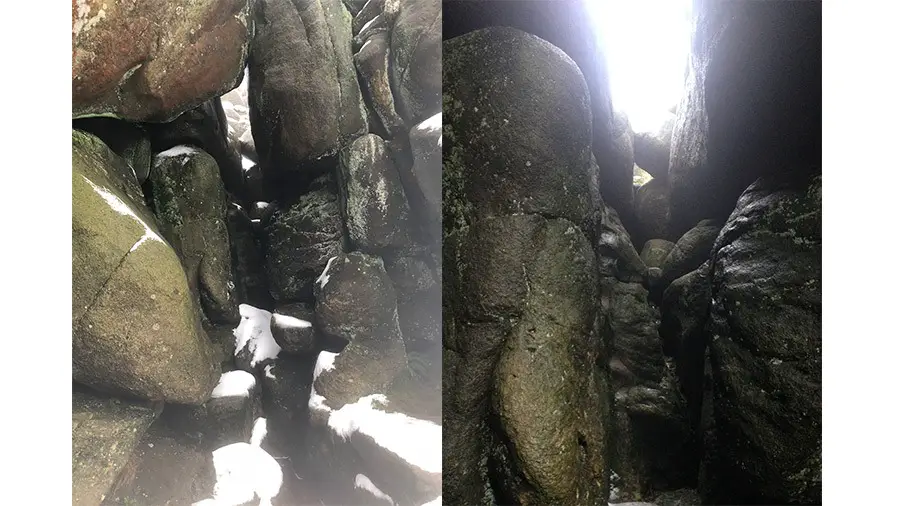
x: 257, y: 274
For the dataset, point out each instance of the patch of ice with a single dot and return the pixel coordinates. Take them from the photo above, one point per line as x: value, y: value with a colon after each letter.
x: 416, y: 441
x: 363, y: 482
x: 234, y: 384
x: 323, y: 278
x: 182, y: 150
x: 255, y: 332
x: 324, y: 362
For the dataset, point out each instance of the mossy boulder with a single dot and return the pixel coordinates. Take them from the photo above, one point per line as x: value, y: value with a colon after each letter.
x: 135, y: 326
x: 190, y: 204
x: 415, y: 52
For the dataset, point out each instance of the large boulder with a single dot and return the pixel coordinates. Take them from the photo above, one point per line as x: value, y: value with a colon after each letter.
x: 617, y: 165
x: 518, y: 302
x: 765, y: 446
x: 734, y: 126
x: 652, y: 213
x: 151, y: 61
x: 415, y: 52
x: 189, y: 200
x: 655, y: 251
x: 356, y: 301
x: 694, y: 248
x: 305, y: 101
x: 105, y: 434
x: 299, y: 240
x: 373, y: 202
x: 135, y: 326
x: 373, y: 64
x: 129, y: 141
x: 293, y: 328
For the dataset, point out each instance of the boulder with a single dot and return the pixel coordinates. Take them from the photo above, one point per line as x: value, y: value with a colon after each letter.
x: 765, y: 444
x: 418, y: 301
x: 415, y: 52
x: 135, y: 327
x: 637, y: 348
x: 694, y: 248
x: 105, y: 434
x: 651, y: 209
x: 616, y: 257
x: 151, y: 61
x: 299, y: 240
x: 305, y: 101
x: 292, y: 328
x: 356, y: 302
x: 651, y: 149
x: 617, y: 166
x: 373, y: 202
x: 248, y: 266
x: 518, y: 303
x: 734, y: 126
x: 190, y: 201
x: 255, y: 346
x: 655, y: 252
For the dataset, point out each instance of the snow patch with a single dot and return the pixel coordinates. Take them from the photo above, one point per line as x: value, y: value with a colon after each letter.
x: 246, y: 163
x: 324, y: 362
x: 290, y: 321
x: 268, y: 372
x: 323, y: 278
x: 363, y: 482
x: 178, y: 151
x: 316, y: 401
x: 234, y: 384
x: 434, y: 502
x: 431, y: 125
x: 245, y: 471
x: 416, y: 441
x: 255, y: 332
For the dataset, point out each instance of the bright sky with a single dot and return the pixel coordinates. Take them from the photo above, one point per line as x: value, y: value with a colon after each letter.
x: 647, y: 44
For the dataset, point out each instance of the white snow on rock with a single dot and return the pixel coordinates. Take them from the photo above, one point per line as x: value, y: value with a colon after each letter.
x: 246, y: 163
x: 325, y: 362
x: 178, y: 151
x: 234, y: 384
x: 416, y: 441
x: 117, y: 205
x: 245, y: 471
x: 323, y: 278
x: 255, y: 332
x: 363, y: 482
x: 290, y: 321
x: 430, y: 125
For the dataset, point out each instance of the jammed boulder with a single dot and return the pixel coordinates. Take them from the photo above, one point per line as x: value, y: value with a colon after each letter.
x: 151, y: 61
x: 119, y: 260
x: 616, y: 257
x: 766, y: 348
x: 251, y: 282
x: 305, y: 101
x: 356, y: 301
x: 299, y: 240
x: 637, y: 350
x: 518, y: 302
x: 655, y: 252
x: 189, y: 200
x: 651, y: 149
x: 651, y: 209
x: 694, y: 248
x: 105, y: 434
x: 292, y: 327
x: 415, y: 52
x: 734, y: 126
x: 373, y: 202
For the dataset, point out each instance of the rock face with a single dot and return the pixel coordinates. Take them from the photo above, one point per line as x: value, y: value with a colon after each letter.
x: 122, y: 266
x: 517, y: 302
x: 733, y: 126
x: 418, y: 301
x: 373, y: 64
x: 415, y: 52
x: 129, y: 141
x: 189, y: 200
x: 305, y: 101
x: 299, y: 242
x: 651, y: 149
x: 422, y: 178
x: 652, y: 213
x: 655, y: 252
x: 373, y: 202
x: 766, y: 349
x: 617, y: 171
x: 151, y: 61
x: 105, y: 432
